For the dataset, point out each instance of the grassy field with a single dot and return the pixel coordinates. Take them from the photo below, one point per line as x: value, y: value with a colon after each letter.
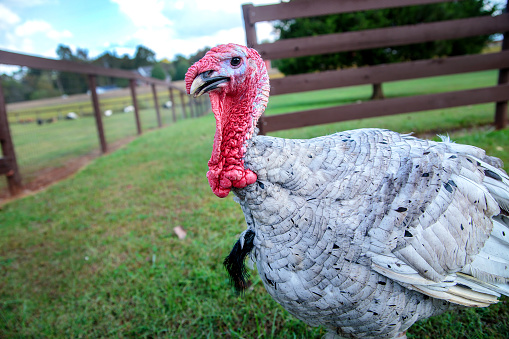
x: 53, y: 145
x: 96, y: 255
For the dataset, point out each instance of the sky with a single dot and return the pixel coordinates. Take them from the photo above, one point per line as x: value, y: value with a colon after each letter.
x: 168, y: 28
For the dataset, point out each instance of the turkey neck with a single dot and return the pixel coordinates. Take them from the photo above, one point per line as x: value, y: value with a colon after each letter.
x: 236, y: 116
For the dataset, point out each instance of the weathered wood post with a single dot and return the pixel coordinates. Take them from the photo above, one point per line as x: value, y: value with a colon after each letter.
x: 97, y: 113
x: 174, y: 114
x: 191, y: 108
x: 8, y: 163
x: 132, y: 85
x: 201, y: 106
x: 183, y: 103
x: 501, y: 119
x: 249, y: 26
x: 156, y: 103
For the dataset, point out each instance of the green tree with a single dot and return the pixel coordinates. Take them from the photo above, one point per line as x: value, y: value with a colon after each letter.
x: 72, y: 83
x: 180, y: 66
x: 158, y: 72
x: 65, y: 52
x: 44, y: 87
x: 198, y: 55
x: 144, y: 57
x: 14, y: 90
x: 126, y: 62
x: 347, y: 22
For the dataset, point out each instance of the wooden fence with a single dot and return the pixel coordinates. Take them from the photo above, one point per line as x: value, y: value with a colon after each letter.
x: 376, y: 38
x: 8, y: 162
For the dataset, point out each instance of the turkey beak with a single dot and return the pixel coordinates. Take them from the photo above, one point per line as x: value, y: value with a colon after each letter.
x: 206, y: 82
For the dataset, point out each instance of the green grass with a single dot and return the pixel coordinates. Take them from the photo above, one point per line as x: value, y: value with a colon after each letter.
x: 52, y: 145
x: 96, y: 256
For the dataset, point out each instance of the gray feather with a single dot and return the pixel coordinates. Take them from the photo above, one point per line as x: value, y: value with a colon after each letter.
x: 367, y: 231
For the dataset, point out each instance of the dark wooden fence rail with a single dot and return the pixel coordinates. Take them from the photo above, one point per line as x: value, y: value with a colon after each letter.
x: 8, y: 162
x: 375, y: 38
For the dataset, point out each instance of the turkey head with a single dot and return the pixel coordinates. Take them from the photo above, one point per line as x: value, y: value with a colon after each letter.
x: 236, y: 79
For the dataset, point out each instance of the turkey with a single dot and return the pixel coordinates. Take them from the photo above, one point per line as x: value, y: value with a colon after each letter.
x: 363, y: 232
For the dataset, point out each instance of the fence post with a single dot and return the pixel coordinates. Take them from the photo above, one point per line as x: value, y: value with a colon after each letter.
x: 156, y: 103
x: 191, y: 108
x: 97, y: 113
x: 132, y: 84
x: 503, y: 78
x: 249, y: 27
x: 172, y: 105
x: 206, y: 105
x: 261, y: 125
x: 183, y: 102
x: 203, y: 105
x: 8, y: 163
x: 197, y: 106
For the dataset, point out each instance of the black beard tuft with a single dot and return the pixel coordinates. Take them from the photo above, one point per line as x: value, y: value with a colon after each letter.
x: 234, y: 262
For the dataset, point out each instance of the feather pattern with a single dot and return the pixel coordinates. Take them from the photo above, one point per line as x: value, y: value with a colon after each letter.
x: 368, y: 231
x: 364, y: 232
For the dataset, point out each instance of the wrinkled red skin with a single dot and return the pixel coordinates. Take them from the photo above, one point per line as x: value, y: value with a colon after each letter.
x: 236, y: 111
x: 226, y: 164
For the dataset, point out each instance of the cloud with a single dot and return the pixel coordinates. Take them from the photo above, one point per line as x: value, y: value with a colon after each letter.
x: 32, y: 27
x: 146, y: 13
x: 9, y: 18
x: 29, y: 3
x: 171, y: 47
x: 176, y: 20
x: 184, y: 27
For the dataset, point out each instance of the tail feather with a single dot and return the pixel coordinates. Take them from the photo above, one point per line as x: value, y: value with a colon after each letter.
x: 490, y: 268
x: 489, y: 272
x: 480, y: 286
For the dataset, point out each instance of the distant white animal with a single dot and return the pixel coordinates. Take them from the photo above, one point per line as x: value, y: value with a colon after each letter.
x: 129, y: 109
x: 108, y: 113
x: 168, y: 104
x: 71, y: 116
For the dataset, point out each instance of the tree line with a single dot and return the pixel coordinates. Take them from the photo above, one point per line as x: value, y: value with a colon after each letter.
x: 35, y: 84
x: 32, y: 84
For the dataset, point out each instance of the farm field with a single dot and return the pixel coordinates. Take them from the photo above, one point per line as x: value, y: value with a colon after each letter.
x: 53, y: 146
x: 81, y: 104
x: 96, y: 255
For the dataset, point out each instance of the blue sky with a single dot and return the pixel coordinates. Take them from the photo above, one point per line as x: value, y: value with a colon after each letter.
x: 167, y: 27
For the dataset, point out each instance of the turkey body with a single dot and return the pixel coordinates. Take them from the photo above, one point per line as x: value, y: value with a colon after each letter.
x: 363, y: 231
x: 338, y: 219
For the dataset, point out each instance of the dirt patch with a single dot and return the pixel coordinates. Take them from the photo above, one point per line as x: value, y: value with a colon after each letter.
x: 53, y: 175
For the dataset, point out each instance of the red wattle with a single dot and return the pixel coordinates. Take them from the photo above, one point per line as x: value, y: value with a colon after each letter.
x: 226, y: 164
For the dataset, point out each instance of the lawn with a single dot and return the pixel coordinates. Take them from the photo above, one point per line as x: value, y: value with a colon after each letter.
x: 53, y: 145
x: 96, y: 255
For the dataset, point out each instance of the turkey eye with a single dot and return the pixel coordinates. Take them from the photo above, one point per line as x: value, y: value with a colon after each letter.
x: 235, y: 61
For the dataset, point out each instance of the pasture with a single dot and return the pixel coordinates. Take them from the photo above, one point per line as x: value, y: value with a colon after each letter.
x: 96, y: 255
x: 54, y: 145
x: 58, y: 143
